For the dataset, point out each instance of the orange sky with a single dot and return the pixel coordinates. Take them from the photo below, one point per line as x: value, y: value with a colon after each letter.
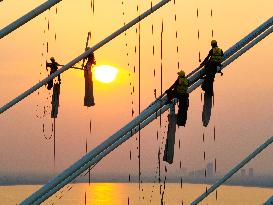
x: 242, y: 114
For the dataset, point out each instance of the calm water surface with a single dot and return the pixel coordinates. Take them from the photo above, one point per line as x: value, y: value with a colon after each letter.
x: 124, y: 194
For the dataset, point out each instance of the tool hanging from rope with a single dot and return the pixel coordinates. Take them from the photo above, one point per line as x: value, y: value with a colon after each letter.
x: 89, y: 94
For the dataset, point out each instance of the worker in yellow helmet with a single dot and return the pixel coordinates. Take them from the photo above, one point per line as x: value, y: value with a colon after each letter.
x: 179, y: 90
x: 211, y: 62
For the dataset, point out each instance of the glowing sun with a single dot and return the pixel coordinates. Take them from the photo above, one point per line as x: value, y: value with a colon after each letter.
x: 105, y: 73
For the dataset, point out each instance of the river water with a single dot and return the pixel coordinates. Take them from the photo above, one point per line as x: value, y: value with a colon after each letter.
x: 128, y: 193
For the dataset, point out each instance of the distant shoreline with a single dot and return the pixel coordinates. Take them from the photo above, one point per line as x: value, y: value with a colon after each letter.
x: 262, y: 181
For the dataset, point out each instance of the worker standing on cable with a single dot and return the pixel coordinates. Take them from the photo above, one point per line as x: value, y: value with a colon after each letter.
x: 89, y: 96
x: 211, y: 62
x: 179, y: 90
x: 53, y: 68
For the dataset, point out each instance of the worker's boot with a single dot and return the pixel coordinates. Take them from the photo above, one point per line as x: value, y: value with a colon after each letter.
x: 50, y: 85
x: 204, y: 85
x: 180, y: 119
x: 183, y: 109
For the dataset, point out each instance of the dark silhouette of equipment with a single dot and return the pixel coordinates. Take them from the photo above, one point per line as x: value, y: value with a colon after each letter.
x: 170, y: 140
x: 55, y: 100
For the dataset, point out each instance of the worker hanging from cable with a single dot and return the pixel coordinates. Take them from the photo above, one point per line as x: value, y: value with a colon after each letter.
x: 179, y: 90
x: 56, y: 87
x: 53, y: 68
x: 89, y: 97
x: 211, y: 62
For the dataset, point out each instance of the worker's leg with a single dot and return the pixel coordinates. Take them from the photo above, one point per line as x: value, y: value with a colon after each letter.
x: 170, y: 95
x: 207, y: 69
x: 50, y: 84
x: 207, y: 85
x: 183, y: 109
x: 59, y: 79
x: 211, y: 76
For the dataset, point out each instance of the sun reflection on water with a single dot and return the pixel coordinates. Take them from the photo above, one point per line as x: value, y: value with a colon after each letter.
x: 103, y: 193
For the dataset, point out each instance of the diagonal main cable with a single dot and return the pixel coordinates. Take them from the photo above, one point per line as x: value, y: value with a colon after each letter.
x: 27, y: 17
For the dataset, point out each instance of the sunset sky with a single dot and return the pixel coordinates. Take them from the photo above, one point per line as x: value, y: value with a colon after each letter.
x: 242, y: 115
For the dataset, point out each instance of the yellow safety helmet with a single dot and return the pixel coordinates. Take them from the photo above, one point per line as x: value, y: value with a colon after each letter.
x: 213, y: 43
x: 52, y: 59
x: 181, y: 73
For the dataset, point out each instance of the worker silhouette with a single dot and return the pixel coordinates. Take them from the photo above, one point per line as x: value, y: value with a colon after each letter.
x: 89, y: 96
x: 211, y: 62
x: 90, y: 60
x: 179, y: 90
x: 53, y: 68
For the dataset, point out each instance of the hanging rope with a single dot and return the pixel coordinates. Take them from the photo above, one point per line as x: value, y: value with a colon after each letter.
x: 139, y: 101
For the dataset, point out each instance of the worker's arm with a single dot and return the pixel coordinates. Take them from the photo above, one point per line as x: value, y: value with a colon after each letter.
x: 222, y: 54
x: 187, y: 83
x: 207, y: 58
x: 48, y: 64
x: 173, y: 86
